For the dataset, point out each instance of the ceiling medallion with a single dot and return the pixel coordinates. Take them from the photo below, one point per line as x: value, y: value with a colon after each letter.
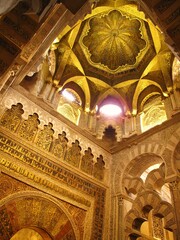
x: 113, y: 41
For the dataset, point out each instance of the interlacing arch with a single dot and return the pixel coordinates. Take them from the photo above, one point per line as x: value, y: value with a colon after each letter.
x: 149, y: 188
x: 136, y: 162
x: 138, y: 154
x: 143, y: 204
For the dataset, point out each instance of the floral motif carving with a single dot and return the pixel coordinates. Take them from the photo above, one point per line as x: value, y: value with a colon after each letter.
x: 29, y: 127
x: 5, y: 186
x: 73, y: 154
x: 99, y: 168
x: 59, y: 145
x: 87, y: 161
x: 158, y: 228
x: 114, y: 33
x: 45, y: 136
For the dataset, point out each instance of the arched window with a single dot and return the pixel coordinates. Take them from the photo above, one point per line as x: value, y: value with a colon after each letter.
x: 153, y: 114
x: 69, y: 105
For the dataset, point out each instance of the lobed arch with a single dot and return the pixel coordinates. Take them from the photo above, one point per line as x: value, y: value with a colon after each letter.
x: 17, y: 215
x: 57, y: 145
x: 148, y: 94
x: 78, y: 79
x: 139, y: 96
x: 133, y: 185
x: 155, y: 179
x: 147, y: 98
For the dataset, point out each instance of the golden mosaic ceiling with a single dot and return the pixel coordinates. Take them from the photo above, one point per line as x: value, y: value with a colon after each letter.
x: 110, y: 34
x: 114, y: 51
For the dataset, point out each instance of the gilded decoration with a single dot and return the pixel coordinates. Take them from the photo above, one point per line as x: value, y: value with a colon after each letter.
x: 59, y: 146
x: 11, y: 186
x: 113, y: 40
x: 115, y: 50
x: 29, y: 127
x: 14, y: 150
x: 27, y: 234
x: 12, y: 117
x: 73, y: 155
x: 45, y: 136
x: 29, y: 211
x: 158, y: 228
x: 87, y: 161
x: 44, y: 139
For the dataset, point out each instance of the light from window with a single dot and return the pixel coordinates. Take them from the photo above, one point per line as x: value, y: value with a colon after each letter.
x: 110, y: 110
x: 69, y: 96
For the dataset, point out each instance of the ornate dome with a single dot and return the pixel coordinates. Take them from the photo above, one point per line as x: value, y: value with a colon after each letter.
x: 113, y: 40
x: 114, y: 51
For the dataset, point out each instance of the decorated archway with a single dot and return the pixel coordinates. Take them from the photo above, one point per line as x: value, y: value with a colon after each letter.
x: 35, y: 215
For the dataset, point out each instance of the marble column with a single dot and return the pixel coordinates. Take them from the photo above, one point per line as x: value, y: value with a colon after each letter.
x: 168, y: 107
x: 120, y: 218
x: 83, y: 121
x: 92, y: 122
x: 177, y: 98
x: 56, y: 98
x: 127, y: 126
x: 173, y: 102
x: 45, y: 91
x: 51, y: 94
x: 133, y: 120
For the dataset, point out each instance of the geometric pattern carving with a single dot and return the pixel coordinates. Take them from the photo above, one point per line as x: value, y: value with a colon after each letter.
x: 57, y: 172
x: 9, y: 185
